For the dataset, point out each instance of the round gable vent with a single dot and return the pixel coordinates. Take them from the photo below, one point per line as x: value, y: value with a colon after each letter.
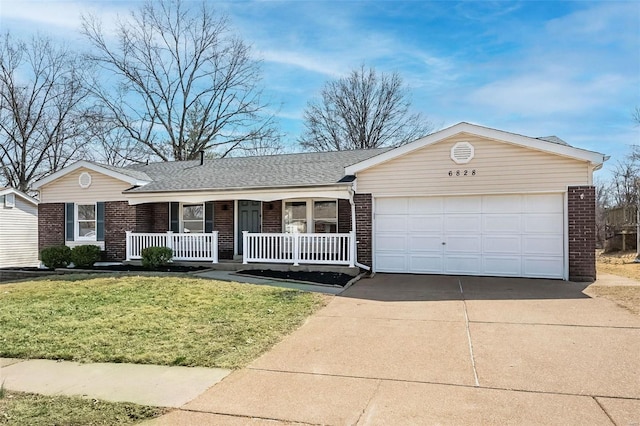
x: 462, y: 152
x: 84, y: 180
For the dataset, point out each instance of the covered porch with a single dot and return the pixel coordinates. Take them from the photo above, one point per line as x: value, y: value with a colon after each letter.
x: 304, y: 227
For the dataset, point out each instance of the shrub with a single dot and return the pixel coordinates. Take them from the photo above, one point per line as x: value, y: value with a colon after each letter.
x: 154, y: 257
x: 85, y: 256
x: 56, y: 257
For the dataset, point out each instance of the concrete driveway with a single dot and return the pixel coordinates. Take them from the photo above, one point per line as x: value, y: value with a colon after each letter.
x: 402, y: 349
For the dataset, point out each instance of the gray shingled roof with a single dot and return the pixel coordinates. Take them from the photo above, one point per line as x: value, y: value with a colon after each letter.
x: 136, y: 174
x: 315, y: 168
x: 553, y: 139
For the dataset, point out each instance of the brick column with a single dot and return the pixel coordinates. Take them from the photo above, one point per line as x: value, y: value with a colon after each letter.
x: 581, y: 211
x: 50, y: 225
x: 272, y: 217
x: 223, y: 223
x: 364, y: 227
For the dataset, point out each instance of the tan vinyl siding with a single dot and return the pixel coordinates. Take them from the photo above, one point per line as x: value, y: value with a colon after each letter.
x: 499, y: 168
x: 19, y: 234
x: 68, y: 190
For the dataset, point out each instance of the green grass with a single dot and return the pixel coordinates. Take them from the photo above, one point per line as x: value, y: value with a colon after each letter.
x: 170, y: 320
x: 26, y: 409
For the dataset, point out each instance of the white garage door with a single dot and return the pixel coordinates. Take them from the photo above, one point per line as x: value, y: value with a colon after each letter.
x: 494, y: 235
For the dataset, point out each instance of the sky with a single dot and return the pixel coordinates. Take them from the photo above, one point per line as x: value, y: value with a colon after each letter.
x: 537, y: 68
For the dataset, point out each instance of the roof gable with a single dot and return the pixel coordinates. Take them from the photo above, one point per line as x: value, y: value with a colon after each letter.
x: 9, y: 190
x: 553, y: 147
x: 132, y: 177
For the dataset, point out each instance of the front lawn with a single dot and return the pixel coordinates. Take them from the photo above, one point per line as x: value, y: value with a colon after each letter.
x: 148, y: 320
x: 18, y: 408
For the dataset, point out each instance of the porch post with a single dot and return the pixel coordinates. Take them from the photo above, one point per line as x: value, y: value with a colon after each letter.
x: 169, y: 242
x: 296, y: 249
x: 214, y: 246
x: 128, y: 245
x: 245, y: 246
x: 352, y: 249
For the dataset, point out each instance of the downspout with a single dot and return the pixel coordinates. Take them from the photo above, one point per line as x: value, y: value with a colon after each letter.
x: 353, y: 228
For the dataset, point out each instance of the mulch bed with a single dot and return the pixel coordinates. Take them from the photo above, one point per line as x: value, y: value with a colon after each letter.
x: 139, y: 268
x: 327, y: 278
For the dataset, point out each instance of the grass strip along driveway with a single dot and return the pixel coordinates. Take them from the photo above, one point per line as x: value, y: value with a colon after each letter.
x: 165, y: 320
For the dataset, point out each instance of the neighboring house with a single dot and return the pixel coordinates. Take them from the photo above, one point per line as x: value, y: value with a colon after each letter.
x: 467, y: 200
x: 18, y: 229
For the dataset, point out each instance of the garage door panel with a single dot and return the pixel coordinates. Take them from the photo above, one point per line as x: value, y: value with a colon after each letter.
x: 502, y: 204
x: 396, y: 206
x: 544, y: 203
x: 463, y: 244
x: 462, y: 223
x: 501, y: 244
x: 463, y: 265
x: 510, y: 266
x: 543, y: 245
x: 501, y: 223
x: 425, y: 205
x: 425, y: 264
x: 392, y: 223
x: 543, y: 223
x: 391, y: 242
x: 425, y: 243
x: 462, y: 205
x: 425, y: 223
x: 388, y: 262
x: 543, y: 267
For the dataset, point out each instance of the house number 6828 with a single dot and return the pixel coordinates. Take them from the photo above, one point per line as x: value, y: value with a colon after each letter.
x: 462, y: 172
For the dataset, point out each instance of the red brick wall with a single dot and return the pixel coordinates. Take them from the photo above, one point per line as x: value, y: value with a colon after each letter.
x: 50, y: 225
x: 272, y: 216
x: 144, y: 218
x: 582, y: 236
x: 364, y: 229
x: 119, y: 217
x: 344, y: 216
x: 223, y: 223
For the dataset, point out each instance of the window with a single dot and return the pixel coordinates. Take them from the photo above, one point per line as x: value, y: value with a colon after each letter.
x: 325, y: 216
x: 193, y: 218
x: 322, y: 215
x: 9, y: 200
x: 86, y: 221
x: 295, y: 216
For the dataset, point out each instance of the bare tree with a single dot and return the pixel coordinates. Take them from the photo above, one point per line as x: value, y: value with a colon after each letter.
x: 43, y: 116
x: 363, y: 110
x: 180, y: 82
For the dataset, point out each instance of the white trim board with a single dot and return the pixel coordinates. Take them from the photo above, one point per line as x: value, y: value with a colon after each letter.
x: 91, y: 166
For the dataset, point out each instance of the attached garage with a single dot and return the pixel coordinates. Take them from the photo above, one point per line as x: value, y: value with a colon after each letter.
x: 470, y: 200
x: 519, y: 235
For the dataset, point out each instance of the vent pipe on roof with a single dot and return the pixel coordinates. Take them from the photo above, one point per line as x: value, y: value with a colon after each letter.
x: 201, y: 157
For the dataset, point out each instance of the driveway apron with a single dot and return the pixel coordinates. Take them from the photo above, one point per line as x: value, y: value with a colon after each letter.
x: 406, y: 349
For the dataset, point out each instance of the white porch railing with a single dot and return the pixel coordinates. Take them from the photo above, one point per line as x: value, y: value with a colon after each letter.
x: 185, y: 246
x: 331, y: 249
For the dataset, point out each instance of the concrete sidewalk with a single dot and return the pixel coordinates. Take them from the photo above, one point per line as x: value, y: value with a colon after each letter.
x: 155, y: 385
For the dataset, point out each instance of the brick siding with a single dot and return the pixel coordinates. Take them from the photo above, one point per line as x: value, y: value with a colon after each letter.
x: 272, y: 216
x: 119, y: 217
x: 223, y: 223
x: 50, y: 225
x: 582, y: 237
x: 364, y: 229
x: 344, y: 216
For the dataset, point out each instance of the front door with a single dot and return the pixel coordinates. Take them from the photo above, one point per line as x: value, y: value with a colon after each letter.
x: 248, y: 218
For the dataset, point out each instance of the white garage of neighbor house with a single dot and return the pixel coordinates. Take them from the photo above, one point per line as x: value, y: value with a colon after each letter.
x: 470, y: 200
x: 18, y: 229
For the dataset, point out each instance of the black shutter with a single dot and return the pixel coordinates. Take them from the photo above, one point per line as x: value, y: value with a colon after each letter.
x: 69, y: 221
x: 100, y: 221
x: 174, y: 217
x: 208, y: 216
